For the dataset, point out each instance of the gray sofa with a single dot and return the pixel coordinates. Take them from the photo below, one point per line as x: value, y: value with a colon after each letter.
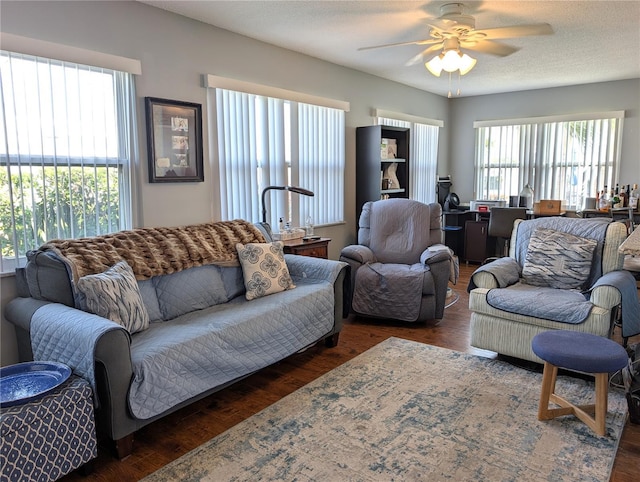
x: 203, y: 336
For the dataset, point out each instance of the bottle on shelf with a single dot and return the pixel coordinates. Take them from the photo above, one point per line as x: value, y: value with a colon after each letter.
x: 623, y: 197
x: 604, y: 200
x: 309, y: 225
x: 281, y: 225
x: 526, y: 197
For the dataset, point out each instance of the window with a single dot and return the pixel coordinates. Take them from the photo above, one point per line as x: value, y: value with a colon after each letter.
x: 423, y: 153
x: 267, y: 141
x: 564, y: 158
x: 65, y: 152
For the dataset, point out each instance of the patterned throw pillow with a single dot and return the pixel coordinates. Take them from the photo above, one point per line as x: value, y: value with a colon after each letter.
x: 558, y: 260
x: 264, y: 269
x: 114, y: 295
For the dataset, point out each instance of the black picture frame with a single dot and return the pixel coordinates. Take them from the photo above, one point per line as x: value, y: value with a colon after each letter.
x: 174, y: 140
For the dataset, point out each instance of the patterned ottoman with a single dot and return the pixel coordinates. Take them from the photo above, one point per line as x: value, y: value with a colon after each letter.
x: 47, y: 438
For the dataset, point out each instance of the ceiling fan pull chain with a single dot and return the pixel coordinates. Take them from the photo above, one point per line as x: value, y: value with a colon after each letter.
x: 458, y: 93
x: 449, y: 95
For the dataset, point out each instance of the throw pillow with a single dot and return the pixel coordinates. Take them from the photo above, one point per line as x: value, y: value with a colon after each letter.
x: 114, y: 295
x: 264, y: 269
x: 558, y: 260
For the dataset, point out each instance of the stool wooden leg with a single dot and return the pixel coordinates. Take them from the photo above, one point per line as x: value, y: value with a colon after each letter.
x: 549, y: 375
x: 547, y: 394
x: 602, y: 390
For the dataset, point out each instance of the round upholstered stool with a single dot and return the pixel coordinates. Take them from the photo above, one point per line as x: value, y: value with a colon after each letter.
x: 581, y: 352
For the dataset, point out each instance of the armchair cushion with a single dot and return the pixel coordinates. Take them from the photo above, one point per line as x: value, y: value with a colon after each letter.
x: 564, y: 306
x: 558, y: 260
x: 398, y: 231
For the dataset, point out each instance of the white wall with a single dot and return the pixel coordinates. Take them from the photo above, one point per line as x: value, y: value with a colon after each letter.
x: 175, y: 52
x: 606, y: 96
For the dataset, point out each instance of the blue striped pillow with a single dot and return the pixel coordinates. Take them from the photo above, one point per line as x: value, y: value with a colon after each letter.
x: 558, y: 260
x: 114, y: 294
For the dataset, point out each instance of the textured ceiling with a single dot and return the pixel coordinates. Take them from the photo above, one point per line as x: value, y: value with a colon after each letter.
x: 593, y: 41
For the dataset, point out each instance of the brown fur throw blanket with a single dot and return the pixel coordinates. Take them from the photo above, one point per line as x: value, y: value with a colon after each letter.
x: 156, y: 251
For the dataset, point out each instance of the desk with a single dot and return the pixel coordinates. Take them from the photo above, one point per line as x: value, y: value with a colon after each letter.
x: 534, y: 215
x: 466, y: 234
x: 453, y: 223
x: 620, y: 214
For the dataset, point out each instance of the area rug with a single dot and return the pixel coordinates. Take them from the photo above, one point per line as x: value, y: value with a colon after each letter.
x: 409, y: 411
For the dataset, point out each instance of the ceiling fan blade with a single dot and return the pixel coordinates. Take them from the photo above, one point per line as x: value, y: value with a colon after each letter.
x: 514, y: 31
x: 413, y: 42
x: 420, y: 57
x: 490, y: 47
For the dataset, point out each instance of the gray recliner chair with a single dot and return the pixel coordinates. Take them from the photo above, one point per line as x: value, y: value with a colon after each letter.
x: 399, y: 268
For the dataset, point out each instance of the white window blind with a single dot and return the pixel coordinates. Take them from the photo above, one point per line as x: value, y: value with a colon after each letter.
x: 265, y: 141
x: 321, y: 162
x: 67, y: 137
x: 561, y: 159
x: 423, y: 157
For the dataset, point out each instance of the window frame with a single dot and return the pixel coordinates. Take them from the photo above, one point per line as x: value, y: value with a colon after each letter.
x: 38, y: 164
x: 543, y: 162
x: 289, y: 169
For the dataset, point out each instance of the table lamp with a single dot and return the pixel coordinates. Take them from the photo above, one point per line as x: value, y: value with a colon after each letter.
x: 295, y: 189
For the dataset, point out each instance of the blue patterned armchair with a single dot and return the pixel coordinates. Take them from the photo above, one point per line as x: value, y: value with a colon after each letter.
x: 561, y: 274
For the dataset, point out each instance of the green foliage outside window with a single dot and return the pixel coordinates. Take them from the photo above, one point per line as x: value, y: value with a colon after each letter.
x: 53, y: 203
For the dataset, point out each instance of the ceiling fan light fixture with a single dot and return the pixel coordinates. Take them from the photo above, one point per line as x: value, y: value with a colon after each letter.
x: 450, y: 61
x: 466, y: 64
x: 435, y: 65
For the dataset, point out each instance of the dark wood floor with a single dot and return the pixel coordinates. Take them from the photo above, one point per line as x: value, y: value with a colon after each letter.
x: 169, y: 438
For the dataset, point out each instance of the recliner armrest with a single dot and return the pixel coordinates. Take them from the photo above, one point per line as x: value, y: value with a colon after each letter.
x: 430, y: 257
x: 358, y: 253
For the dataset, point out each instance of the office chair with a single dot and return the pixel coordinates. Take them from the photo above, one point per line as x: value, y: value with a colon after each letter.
x: 500, y: 227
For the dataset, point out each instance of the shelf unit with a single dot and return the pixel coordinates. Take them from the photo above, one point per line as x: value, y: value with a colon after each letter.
x: 370, y: 164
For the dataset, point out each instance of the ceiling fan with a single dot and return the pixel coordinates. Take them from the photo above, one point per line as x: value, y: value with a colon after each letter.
x: 454, y: 30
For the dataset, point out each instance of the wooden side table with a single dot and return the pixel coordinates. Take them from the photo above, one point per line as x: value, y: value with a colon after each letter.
x: 318, y: 248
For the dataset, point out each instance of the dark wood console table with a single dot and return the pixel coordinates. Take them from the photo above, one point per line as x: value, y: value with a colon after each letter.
x: 317, y: 248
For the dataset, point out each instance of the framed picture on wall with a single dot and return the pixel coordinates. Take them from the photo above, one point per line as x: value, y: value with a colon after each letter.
x: 174, y: 140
